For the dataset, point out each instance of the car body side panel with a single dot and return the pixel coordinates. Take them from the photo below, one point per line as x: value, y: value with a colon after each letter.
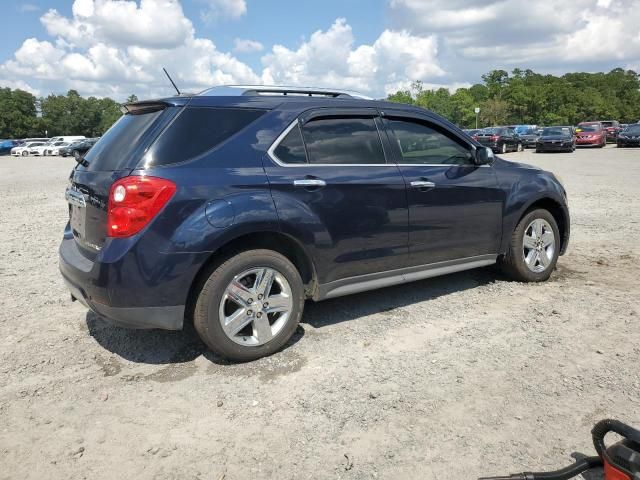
x: 524, y: 185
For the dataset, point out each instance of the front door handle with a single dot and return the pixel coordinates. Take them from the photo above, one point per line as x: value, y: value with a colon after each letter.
x: 310, y: 183
x: 422, y: 184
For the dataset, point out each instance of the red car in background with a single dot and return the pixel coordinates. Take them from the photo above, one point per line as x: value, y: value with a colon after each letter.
x: 612, y: 128
x: 591, y: 134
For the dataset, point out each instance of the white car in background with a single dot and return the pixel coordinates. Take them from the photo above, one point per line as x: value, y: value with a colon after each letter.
x: 55, y: 149
x: 40, y: 150
x: 24, y: 149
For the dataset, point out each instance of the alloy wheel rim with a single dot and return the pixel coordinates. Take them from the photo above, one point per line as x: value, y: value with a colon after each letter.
x: 255, y: 306
x: 538, y: 245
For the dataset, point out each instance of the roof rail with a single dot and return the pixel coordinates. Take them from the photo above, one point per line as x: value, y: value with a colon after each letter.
x: 258, y: 90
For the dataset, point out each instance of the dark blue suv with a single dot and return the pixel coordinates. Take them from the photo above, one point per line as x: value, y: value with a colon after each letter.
x: 232, y: 207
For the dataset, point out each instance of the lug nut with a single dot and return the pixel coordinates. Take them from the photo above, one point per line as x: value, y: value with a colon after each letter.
x: 259, y: 314
x: 260, y: 297
x: 250, y: 300
x: 266, y: 305
x: 249, y: 312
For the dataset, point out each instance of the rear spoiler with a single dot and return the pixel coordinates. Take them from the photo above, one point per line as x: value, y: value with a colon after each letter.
x: 139, y: 108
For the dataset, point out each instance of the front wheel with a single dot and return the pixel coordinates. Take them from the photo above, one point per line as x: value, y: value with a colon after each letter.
x: 503, y: 149
x: 534, y: 248
x: 25, y: 153
x: 250, y: 305
x: 76, y: 154
x: 519, y: 147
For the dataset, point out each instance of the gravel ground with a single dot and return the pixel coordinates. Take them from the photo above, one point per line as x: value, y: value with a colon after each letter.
x: 449, y: 378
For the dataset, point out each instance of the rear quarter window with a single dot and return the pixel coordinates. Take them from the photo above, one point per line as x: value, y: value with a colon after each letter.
x: 196, y: 131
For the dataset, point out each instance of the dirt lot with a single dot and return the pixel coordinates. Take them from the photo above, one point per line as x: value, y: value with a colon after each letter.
x: 448, y: 378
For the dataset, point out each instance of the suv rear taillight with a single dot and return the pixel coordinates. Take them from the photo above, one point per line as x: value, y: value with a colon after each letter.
x: 134, y: 201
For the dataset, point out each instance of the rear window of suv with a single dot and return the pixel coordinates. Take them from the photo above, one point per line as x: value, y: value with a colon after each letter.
x: 113, y: 151
x: 196, y: 131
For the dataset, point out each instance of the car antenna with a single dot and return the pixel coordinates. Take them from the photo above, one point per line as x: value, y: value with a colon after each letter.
x: 171, y: 80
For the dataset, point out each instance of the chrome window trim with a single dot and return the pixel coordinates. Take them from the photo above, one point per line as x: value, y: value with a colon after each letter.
x: 296, y: 122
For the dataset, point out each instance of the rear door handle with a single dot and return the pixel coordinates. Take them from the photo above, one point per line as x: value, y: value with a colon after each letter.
x: 309, y: 183
x: 422, y: 184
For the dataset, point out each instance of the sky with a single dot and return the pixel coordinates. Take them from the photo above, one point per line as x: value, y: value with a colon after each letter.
x: 117, y: 48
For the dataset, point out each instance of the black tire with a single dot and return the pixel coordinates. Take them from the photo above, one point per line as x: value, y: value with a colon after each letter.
x: 513, y: 263
x: 206, y: 317
x: 519, y: 147
x: 538, y: 150
x: 503, y: 148
x: 25, y: 153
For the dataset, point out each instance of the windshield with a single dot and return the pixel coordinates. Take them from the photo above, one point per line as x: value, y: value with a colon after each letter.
x: 523, y: 130
x: 633, y: 130
x: 559, y: 131
x: 588, y: 128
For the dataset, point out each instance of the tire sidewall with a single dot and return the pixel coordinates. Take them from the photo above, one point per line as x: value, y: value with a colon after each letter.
x: 517, y: 260
x: 206, y: 314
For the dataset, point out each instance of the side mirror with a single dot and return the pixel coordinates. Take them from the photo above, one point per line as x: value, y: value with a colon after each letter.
x: 484, y: 156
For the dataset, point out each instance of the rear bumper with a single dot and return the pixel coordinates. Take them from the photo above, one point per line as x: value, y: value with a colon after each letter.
x: 165, y: 318
x: 97, y: 286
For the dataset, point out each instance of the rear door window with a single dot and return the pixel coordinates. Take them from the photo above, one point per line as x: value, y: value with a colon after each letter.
x: 343, y: 140
x: 196, y: 131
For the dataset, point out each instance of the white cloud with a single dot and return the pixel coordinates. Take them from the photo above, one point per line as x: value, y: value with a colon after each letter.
x: 19, y: 84
x: 330, y: 59
x: 217, y: 9
x: 479, y: 35
x: 242, y: 45
x: 121, y: 22
x: 117, y: 47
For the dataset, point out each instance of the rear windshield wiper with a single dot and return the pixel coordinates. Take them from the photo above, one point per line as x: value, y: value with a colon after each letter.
x: 81, y: 161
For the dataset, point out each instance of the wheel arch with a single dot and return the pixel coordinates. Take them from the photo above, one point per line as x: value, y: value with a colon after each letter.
x: 270, y: 240
x: 559, y: 213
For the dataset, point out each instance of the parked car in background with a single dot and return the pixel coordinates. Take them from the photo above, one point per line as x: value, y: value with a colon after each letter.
x: 55, y: 149
x: 629, y: 137
x: 79, y: 148
x: 612, y: 127
x: 556, y: 139
x: 499, y: 139
x: 68, y: 138
x: 178, y: 214
x: 472, y: 132
x: 528, y: 136
x: 6, y: 146
x: 591, y: 134
x: 41, y: 150
x: 23, y: 150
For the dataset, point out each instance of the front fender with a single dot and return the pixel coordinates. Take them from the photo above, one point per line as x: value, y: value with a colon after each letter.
x: 522, y: 194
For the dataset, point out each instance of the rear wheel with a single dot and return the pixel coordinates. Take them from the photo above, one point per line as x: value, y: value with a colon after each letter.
x: 25, y: 153
x: 534, y: 248
x: 503, y: 149
x: 76, y: 154
x: 519, y: 147
x: 250, y: 305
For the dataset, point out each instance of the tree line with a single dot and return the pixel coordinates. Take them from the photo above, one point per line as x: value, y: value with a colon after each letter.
x: 23, y: 115
x: 526, y: 97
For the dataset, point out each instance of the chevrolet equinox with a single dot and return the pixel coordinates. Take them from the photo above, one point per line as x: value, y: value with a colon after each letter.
x: 232, y: 207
